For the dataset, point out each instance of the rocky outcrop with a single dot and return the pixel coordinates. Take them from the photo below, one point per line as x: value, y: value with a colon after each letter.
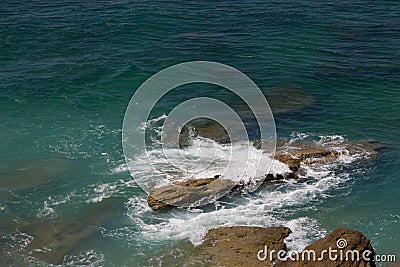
x: 188, y: 193
x: 237, y: 246
x: 309, y: 153
x: 353, y: 249
x: 258, y: 246
x: 192, y: 191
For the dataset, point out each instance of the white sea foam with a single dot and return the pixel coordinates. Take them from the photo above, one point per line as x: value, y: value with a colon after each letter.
x: 18, y: 240
x: 119, y: 169
x: 154, y: 169
x: 193, y: 225
x: 102, y: 191
x: 53, y: 201
x: 46, y: 211
x: 269, y: 206
x: 85, y: 258
x: 275, y: 205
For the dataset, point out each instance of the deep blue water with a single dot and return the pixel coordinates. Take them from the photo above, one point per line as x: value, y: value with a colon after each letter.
x: 69, y: 69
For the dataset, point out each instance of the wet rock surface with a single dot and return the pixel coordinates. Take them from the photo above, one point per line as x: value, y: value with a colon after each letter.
x: 309, y: 153
x: 241, y: 246
x: 306, y: 155
x: 294, y: 156
x: 238, y: 246
x: 351, y: 243
x: 189, y: 192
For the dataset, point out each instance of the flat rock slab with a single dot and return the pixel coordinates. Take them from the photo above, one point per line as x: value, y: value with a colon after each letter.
x: 192, y: 192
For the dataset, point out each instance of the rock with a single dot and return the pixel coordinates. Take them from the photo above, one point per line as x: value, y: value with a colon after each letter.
x: 371, y: 147
x: 274, y: 178
x: 349, y: 240
x: 305, y: 153
x: 290, y: 160
x: 313, y: 153
x: 294, y: 158
x: 253, y: 246
x: 237, y: 246
x: 192, y: 192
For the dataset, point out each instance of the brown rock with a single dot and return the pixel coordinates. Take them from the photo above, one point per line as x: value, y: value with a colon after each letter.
x: 290, y: 160
x: 311, y: 153
x: 307, y: 155
x: 273, y: 178
x: 242, y: 245
x: 356, y: 242
x: 192, y: 192
x: 238, y: 246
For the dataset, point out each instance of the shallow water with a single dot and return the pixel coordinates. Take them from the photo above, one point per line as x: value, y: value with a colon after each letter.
x: 68, y: 70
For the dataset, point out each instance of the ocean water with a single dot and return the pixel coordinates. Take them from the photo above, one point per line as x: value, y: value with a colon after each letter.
x: 68, y: 69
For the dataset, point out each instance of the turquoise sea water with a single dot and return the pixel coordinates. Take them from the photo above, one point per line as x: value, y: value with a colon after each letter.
x: 69, y: 69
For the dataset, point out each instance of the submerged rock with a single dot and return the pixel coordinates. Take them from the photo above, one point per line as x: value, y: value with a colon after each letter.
x: 287, y: 97
x: 5, y: 259
x: 351, y: 243
x: 25, y: 175
x: 237, y: 246
x: 52, y: 241
x: 189, y: 192
x: 282, y: 98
